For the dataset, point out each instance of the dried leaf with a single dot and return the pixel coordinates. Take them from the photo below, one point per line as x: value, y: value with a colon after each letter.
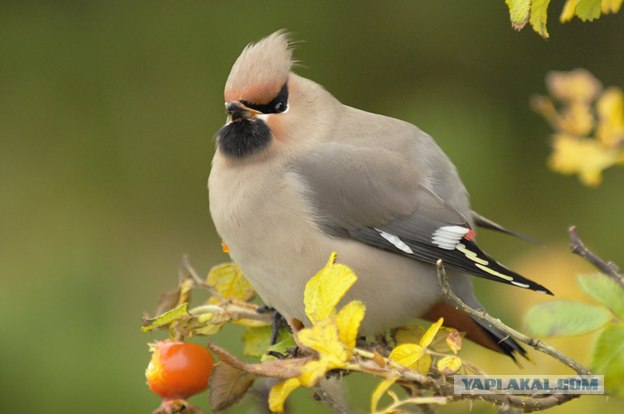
x: 282, y: 368
x: 325, y: 289
x: 348, y: 322
x: 454, y: 341
x: 167, y: 301
x: 229, y: 281
x: 228, y: 384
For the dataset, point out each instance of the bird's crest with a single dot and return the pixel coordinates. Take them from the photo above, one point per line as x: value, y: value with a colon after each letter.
x: 261, y: 70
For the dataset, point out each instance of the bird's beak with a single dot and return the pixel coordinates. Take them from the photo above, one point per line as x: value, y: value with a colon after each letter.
x: 236, y: 111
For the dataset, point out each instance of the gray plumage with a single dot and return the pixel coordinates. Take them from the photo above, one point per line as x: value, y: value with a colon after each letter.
x: 329, y: 177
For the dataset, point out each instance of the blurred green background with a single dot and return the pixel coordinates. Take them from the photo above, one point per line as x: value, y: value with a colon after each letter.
x: 107, y: 113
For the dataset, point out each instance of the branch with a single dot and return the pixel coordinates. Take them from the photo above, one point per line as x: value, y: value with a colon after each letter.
x: 485, y: 317
x: 608, y: 268
x: 527, y: 404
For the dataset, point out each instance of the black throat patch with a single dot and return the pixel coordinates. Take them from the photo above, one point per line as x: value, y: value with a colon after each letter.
x: 243, y: 137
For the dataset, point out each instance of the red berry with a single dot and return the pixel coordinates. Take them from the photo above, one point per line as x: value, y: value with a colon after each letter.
x: 178, y: 369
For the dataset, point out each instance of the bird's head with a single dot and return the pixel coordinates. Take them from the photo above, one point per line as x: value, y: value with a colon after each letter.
x: 267, y: 105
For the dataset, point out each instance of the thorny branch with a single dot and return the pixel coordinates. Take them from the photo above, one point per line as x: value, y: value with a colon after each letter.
x: 608, y: 268
x: 527, y: 404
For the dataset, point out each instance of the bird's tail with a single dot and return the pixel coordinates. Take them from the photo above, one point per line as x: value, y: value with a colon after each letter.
x: 478, y: 332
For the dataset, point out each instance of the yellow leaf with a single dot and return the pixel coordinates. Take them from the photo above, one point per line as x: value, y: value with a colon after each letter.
x: 407, y: 355
x: 256, y: 341
x: 280, y: 392
x: 577, y: 85
x: 427, y: 338
x: 323, y: 338
x: 588, y: 10
x: 325, y: 289
x: 423, y: 365
x: 576, y: 119
x: 206, y: 329
x: 610, y: 109
x: 314, y: 371
x: 539, y: 14
x: 380, y: 390
x: 449, y: 365
x: 611, y: 6
x: 569, y: 11
x: 454, y: 341
x: 409, y: 334
x: 348, y: 322
x: 585, y: 157
x: 518, y: 12
x: 229, y: 281
x: 251, y: 323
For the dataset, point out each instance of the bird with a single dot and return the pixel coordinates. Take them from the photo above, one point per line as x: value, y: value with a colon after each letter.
x: 297, y: 175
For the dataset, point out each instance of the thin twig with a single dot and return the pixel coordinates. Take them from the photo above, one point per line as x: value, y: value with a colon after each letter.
x: 608, y: 268
x: 485, y: 317
x: 322, y: 396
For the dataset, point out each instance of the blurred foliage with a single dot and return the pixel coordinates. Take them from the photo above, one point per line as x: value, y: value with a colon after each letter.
x: 107, y: 111
x: 564, y: 318
x: 535, y: 12
x: 577, y: 110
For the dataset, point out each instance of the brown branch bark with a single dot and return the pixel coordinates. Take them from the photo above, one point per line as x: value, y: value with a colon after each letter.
x: 608, y: 268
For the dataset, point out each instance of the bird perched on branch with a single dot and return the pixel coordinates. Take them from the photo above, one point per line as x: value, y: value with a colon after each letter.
x: 298, y: 175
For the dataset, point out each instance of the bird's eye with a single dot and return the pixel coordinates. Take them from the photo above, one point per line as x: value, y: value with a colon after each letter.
x: 280, y: 107
x: 277, y: 105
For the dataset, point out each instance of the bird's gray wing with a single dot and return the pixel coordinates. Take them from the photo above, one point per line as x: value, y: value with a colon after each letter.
x: 489, y: 224
x: 379, y: 198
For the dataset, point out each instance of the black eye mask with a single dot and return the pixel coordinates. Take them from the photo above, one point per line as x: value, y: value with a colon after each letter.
x: 277, y: 105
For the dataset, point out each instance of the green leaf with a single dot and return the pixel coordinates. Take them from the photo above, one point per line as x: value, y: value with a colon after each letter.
x: 564, y: 317
x: 166, y: 318
x: 539, y: 17
x: 285, y: 342
x: 608, y: 358
x: 518, y: 12
x: 588, y: 10
x: 605, y: 290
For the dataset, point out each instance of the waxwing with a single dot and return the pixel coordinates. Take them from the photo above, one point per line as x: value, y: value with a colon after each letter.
x: 298, y: 175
